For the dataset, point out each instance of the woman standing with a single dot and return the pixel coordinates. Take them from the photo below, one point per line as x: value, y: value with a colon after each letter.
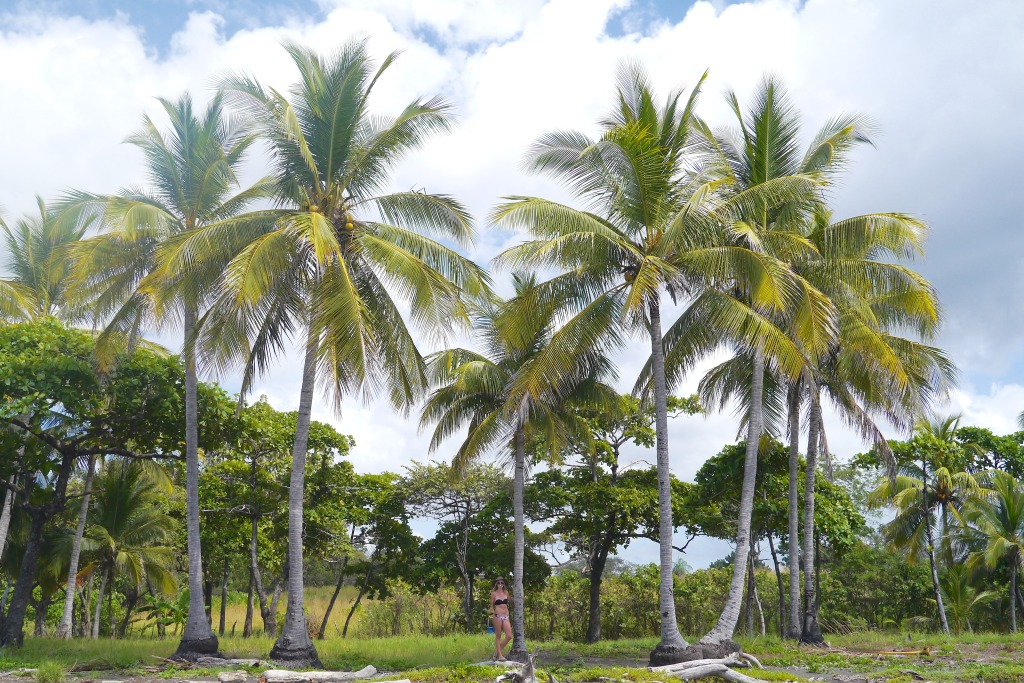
x: 499, y: 612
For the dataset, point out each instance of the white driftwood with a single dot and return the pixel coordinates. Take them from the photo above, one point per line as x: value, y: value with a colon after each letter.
x: 750, y: 659
x: 731, y: 660
x: 233, y: 676
x: 708, y: 670
x: 285, y: 676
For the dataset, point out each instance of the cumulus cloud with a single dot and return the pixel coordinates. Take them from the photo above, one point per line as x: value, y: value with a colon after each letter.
x: 942, y: 78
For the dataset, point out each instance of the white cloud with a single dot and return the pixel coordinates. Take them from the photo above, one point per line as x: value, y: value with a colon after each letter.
x: 942, y: 78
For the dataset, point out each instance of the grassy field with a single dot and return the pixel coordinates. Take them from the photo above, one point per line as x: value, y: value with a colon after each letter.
x: 985, y: 658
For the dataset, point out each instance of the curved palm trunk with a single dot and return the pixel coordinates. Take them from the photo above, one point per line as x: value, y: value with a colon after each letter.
x: 723, y: 631
x: 795, y: 623
x: 931, y: 552
x: 64, y: 628
x: 197, y: 638
x: 518, y: 652
x: 99, y: 606
x: 811, y: 631
x: 294, y: 646
x: 672, y: 648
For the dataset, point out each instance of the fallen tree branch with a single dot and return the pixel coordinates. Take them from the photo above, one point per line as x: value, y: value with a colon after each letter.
x: 285, y: 676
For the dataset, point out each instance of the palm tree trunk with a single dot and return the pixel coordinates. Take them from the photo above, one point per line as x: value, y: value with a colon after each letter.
x: 14, y: 622
x: 518, y: 652
x: 5, y: 516
x: 64, y: 628
x: 811, y: 631
x: 197, y: 638
x: 723, y: 631
x: 99, y: 607
x: 294, y: 645
x: 671, y: 647
x: 931, y: 551
x: 795, y: 623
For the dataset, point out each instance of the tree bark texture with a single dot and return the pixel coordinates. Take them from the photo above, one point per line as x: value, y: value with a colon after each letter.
x: 294, y: 645
x: 518, y: 652
x: 795, y: 624
x: 811, y: 631
x: 197, y: 638
x: 672, y: 647
x: 726, y: 627
x: 64, y: 628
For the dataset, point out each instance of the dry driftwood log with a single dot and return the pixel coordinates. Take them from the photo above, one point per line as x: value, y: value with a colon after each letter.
x: 233, y: 676
x: 703, y: 668
x: 285, y: 676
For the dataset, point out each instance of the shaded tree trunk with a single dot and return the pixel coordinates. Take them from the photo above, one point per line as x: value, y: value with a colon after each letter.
x: 223, y: 598
x: 782, y: 589
x: 671, y: 648
x: 723, y: 632
x: 294, y: 645
x: 598, y: 562
x: 794, y: 626
x: 753, y: 589
x: 359, y: 597
x: 42, y: 607
x: 64, y: 628
x: 811, y: 631
x: 249, y: 607
x: 197, y: 638
x: 334, y: 597
x: 518, y: 652
x: 14, y: 622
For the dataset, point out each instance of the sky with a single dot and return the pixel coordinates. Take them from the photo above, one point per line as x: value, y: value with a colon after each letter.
x: 942, y: 79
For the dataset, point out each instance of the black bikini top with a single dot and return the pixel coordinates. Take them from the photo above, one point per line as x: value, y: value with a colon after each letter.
x: 501, y: 601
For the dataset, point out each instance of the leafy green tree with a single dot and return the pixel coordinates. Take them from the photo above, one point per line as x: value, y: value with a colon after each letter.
x: 53, y: 395
x: 436, y: 493
x: 123, y: 276
x: 998, y: 516
x: 595, y: 508
x: 961, y: 598
x: 325, y: 268
x: 129, y: 535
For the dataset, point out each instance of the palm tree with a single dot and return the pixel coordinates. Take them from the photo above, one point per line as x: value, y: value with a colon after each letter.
x: 128, y: 284
x: 37, y: 259
x: 651, y: 229
x: 326, y: 265
x: 129, y: 535
x: 999, y: 517
x: 485, y: 392
x: 921, y: 490
x: 769, y: 189
x: 961, y: 598
x: 870, y: 371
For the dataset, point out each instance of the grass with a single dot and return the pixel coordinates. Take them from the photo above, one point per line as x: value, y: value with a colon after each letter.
x: 982, y: 658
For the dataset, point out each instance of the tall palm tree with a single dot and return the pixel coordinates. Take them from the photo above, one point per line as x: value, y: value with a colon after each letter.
x: 918, y: 492
x: 649, y: 230
x: 129, y: 534
x: 872, y: 372
x: 332, y: 264
x: 122, y: 275
x: 484, y: 392
x: 999, y: 517
x: 770, y: 189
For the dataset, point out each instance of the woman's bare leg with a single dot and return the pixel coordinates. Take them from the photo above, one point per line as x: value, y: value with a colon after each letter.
x: 506, y: 631
x: 498, y: 632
